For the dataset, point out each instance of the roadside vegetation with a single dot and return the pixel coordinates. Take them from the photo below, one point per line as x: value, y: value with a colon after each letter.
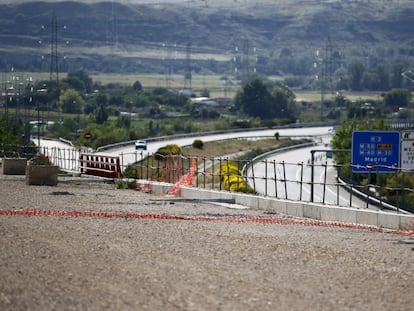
x: 111, y: 113
x: 394, y: 188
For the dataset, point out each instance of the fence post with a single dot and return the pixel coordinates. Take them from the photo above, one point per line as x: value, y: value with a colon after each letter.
x: 324, y: 181
x: 301, y: 180
x: 312, y: 174
x: 204, y: 172
x: 275, y: 173
x: 350, y: 189
x: 254, y: 179
x: 284, y: 178
x: 220, y: 163
x: 337, y: 186
x: 265, y: 178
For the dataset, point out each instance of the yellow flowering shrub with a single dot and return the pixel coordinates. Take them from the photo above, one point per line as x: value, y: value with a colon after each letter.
x: 231, y: 179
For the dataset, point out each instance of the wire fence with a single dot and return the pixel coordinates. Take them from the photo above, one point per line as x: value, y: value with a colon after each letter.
x: 316, y: 182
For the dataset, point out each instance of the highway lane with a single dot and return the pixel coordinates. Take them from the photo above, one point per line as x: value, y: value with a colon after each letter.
x: 129, y: 155
x: 294, y: 167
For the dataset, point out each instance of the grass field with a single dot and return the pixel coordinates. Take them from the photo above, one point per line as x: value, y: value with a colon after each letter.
x: 214, y: 83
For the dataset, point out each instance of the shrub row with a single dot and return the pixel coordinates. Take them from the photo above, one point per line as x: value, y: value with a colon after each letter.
x: 171, y: 149
x: 231, y: 178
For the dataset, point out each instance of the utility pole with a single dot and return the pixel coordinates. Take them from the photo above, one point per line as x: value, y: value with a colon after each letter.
x: 187, y: 72
x: 324, y: 64
x: 245, y: 62
x: 54, y: 66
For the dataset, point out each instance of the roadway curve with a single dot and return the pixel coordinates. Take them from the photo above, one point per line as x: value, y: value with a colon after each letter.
x: 294, y: 171
x: 129, y: 155
x: 294, y: 167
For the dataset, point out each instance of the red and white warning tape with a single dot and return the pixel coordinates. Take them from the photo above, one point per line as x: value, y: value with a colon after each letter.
x: 185, y: 180
x: 230, y: 219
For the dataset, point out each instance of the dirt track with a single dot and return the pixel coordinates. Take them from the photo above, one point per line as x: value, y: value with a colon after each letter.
x: 121, y: 263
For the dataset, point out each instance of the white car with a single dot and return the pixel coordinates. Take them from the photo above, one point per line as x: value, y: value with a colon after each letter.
x: 141, y: 144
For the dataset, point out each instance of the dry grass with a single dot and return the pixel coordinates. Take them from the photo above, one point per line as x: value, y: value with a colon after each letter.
x: 223, y: 148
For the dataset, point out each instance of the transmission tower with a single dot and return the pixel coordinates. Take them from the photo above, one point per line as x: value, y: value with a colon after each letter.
x: 245, y: 62
x: 324, y: 63
x: 327, y: 82
x: 114, y: 25
x: 187, y: 72
x: 54, y: 66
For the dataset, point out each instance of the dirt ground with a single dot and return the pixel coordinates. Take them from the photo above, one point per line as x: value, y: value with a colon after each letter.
x: 81, y: 262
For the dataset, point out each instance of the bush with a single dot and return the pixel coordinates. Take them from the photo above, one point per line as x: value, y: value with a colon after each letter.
x: 241, y: 187
x: 171, y: 149
x: 231, y: 179
x: 229, y: 168
x: 198, y: 144
x: 126, y: 184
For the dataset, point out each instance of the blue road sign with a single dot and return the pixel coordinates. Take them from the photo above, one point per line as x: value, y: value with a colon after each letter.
x: 375, y: 151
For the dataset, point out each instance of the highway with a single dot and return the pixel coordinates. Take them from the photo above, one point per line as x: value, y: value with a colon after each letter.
x: 129, y: 155
x: 296, y: 166
x: 293, y: 166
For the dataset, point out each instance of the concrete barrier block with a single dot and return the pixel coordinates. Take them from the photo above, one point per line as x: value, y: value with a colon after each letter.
x: 42, y: 175
x: 389, y: 220
x: 204, y: 194
x: 312, y: 211
x: 367, y: 217
x: 294, y: 208
x: 332, y: 213
x: 251, y: 201
x: 14, y: 166
x: 407, y: 222
x: 270, y: 204
x: 188, y: 192
x: 226, y: 195
x: 156, y: 187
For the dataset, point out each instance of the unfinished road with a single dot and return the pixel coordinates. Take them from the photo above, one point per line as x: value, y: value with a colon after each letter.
x: 89, y: 246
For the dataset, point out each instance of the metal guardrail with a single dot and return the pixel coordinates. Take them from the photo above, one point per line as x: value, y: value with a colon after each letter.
x: 200, y: 134
x: 274, y: 183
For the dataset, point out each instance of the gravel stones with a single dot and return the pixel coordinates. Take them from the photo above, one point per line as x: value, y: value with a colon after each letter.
x: 98, y: 263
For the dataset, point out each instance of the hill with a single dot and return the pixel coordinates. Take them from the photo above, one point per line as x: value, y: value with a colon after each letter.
x: 287, y: 37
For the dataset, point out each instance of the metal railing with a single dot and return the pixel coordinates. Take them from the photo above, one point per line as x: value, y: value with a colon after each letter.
x: 269, y: 178
x: 315, y: 182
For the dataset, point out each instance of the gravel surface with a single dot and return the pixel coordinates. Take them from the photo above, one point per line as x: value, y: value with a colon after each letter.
x: 123, y: 263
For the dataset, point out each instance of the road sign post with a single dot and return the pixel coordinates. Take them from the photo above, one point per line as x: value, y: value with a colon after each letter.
x: 87, y: 135
x: 407, y: 150
x: 375, y: 150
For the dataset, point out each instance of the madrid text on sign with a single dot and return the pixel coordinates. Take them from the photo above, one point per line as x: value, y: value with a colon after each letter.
x: 375, y: 151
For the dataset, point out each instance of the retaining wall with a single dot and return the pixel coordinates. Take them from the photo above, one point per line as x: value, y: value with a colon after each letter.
x: 382, y: 219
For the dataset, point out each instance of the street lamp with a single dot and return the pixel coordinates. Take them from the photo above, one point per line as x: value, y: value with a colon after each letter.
x: 43, y: 90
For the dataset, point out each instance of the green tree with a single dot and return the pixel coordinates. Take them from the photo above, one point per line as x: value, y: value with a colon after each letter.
x: 397, y: 98
x: 137, y: 86
x: 101, y: 99
x: 72, y: 101
x: 281, y: 105
x: 356, y: 72
x: 396, y: 76
x: 255, y: 100
x: 10, y: 131
x: 101, y: 115
x: 80, y: 81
